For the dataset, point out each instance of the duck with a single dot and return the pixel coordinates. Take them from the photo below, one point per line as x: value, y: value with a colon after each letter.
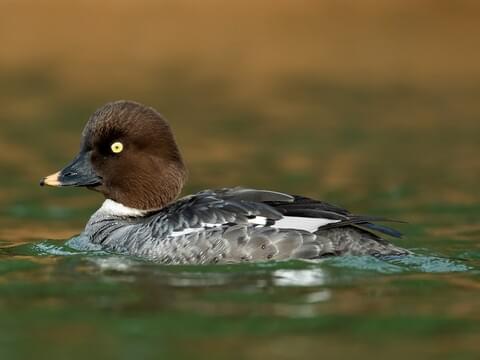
x: 129, y: 154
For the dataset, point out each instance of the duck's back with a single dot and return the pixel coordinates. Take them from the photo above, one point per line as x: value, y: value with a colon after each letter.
x: 242, y: 225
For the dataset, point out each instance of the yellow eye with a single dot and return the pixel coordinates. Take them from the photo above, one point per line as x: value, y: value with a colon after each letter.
x: 117, y: 147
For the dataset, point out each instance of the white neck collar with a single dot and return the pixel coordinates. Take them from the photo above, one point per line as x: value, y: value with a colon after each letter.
x: 114, y: 208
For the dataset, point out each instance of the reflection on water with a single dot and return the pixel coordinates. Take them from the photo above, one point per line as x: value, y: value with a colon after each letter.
x: 308, y: 277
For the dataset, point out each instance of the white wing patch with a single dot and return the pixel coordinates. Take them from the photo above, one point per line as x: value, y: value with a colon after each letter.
x: 287, y: 222
x: 295, y: 222
x: 202, y: 227
x: 302, y: 223
x: 258, y: 220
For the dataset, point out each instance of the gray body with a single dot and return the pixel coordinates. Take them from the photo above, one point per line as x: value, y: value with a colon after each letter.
x: 219, y: 227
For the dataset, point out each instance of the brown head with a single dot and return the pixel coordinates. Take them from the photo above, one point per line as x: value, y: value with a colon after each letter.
x: 128, y: 153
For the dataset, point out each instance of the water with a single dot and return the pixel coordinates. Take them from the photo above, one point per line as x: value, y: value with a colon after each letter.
x: 59, y: 302
x: 396, y: 150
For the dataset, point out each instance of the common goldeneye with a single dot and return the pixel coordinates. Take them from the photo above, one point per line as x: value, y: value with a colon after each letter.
x: 129, y: 154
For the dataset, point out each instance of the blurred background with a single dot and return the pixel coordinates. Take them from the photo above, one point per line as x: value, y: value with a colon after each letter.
x: 373, y: 105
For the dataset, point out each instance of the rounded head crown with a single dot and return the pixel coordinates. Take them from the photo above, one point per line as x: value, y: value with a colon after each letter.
x: 128, y: 153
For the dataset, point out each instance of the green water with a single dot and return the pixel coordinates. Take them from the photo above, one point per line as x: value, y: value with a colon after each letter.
x: 392, y: 150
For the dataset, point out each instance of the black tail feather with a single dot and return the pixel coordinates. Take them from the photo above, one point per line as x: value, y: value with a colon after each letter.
x: 366, y: 222
x: 382, y: 229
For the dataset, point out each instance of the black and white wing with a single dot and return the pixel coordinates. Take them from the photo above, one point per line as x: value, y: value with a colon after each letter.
x: 232, y: 225
x: 214, y: 208
x: 328, y: 216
